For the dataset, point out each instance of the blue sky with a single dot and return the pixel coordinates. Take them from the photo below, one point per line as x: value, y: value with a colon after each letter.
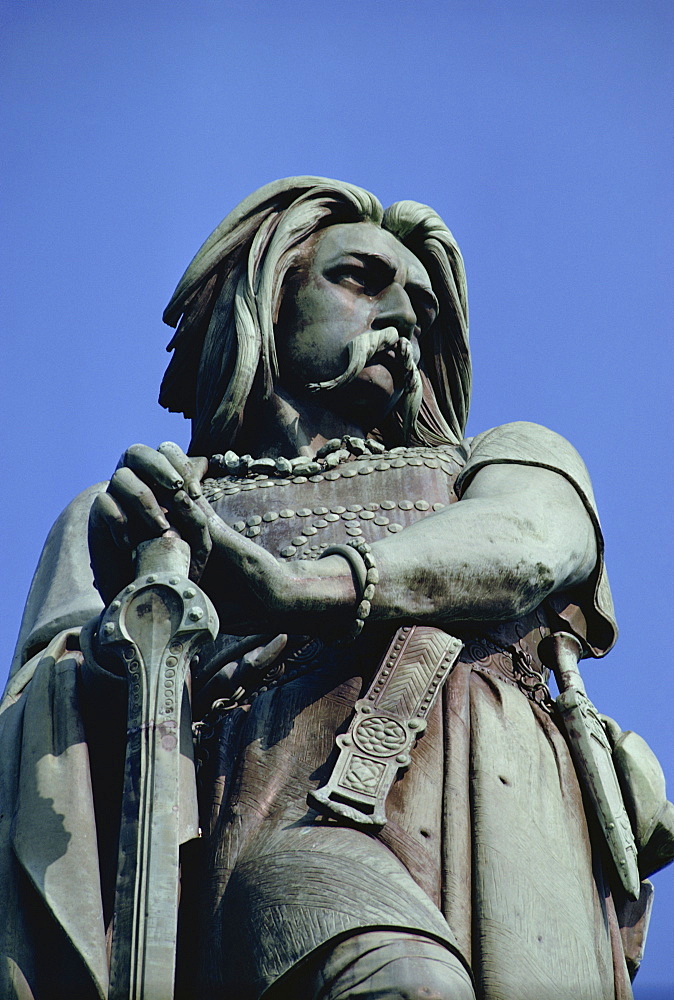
x: 541, y: 132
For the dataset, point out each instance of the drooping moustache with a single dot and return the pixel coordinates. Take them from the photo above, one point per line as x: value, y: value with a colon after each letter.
x: 362, y: 349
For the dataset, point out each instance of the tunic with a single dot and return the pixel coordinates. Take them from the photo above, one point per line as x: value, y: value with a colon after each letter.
x: 490, y: 798
x: 487, y: 847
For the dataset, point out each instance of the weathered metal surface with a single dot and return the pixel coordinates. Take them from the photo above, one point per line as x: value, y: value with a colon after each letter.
x: 387, y: 723
x: 592, y: 755
x: 154, y: 627
x: 489, y: 827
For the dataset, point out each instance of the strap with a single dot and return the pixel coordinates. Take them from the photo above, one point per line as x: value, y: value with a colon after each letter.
x: 386, y: 725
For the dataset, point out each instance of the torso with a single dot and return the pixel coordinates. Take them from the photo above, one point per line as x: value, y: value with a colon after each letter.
x: 367, y: 497
x: 263, y: 758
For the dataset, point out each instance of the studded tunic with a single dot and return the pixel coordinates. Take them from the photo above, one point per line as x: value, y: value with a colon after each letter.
x: 487, y: 846
x: 490, y: 798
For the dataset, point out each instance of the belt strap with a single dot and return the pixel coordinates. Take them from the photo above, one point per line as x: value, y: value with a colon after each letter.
x: 386, y: 725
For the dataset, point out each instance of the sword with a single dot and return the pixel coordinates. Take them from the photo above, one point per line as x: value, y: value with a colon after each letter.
x: 592, y: 755
x: 154, y: 626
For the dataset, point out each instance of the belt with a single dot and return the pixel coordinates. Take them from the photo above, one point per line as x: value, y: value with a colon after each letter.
x: 386, y: 725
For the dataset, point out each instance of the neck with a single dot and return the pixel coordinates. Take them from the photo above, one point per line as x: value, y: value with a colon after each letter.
x: 289, y: 427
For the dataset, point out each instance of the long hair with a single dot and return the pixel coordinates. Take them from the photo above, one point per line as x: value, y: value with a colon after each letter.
x: 224, y: 353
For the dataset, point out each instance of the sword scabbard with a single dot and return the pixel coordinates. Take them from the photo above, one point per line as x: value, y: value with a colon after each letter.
x: 592, y: 756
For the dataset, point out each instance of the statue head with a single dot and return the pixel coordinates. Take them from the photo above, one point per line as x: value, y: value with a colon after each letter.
x: 235, y: 307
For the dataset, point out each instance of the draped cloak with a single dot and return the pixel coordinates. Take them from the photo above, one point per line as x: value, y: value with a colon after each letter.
x: 488, y: 846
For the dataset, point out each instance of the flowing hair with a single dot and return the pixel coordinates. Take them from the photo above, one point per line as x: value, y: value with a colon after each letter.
x: 224, y: 352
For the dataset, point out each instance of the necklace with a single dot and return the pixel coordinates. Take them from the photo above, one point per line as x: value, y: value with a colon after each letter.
x: 332, y: 454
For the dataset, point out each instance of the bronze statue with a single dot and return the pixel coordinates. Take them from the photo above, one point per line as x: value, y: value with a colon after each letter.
x: 391, y: 802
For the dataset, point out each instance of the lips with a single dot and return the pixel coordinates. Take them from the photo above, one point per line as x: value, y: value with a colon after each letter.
x: 391, y: 360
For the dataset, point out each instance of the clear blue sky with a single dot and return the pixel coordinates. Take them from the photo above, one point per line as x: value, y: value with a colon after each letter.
x: 541, y: 132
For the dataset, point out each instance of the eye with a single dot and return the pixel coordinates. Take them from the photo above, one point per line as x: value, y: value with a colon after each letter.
x: 358, y: 276
x: 426, y: 309
x: 354, y: 274
x: 364, y: 273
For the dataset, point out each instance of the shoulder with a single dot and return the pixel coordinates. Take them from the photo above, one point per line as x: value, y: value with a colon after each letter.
x: 528, y: 444
x: 62, y: 594
x: 524, y: 443
x: 77, y: 511
x: 520, y: 438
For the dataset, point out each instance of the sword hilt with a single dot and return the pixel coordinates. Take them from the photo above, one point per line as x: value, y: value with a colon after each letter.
x: 560, y: 652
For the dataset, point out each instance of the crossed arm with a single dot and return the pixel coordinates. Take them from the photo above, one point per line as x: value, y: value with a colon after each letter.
x: 518, y: 534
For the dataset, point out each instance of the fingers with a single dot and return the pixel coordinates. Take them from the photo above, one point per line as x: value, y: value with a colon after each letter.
x: 193, y: 526
x: 238, y: 671
x: 167, y: 468
x: 147, y: 485
x: 147, y: 478
x: 192, y: 470
x: 109, y: 547
x: 229, y: 655
x: 263, y: 657
x: 151, y: 467
x: 257, y: 661
x: 137, y: 500
x: 106, y: 516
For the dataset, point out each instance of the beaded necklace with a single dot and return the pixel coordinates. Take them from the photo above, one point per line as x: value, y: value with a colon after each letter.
x: 332, y: 454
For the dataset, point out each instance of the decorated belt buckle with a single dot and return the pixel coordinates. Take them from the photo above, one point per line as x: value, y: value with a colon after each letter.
x: 386, y: 725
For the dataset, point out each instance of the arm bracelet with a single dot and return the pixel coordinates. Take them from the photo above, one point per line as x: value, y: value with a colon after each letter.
x: 358, y: 554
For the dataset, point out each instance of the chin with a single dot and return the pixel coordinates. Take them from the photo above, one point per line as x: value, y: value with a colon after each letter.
x: 370, y: 397
x: 380, y: 377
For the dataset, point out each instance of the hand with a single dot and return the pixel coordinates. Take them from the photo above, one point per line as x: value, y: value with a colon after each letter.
x: 148, y: 494
x: 235, y: 668
x: 152, y: 492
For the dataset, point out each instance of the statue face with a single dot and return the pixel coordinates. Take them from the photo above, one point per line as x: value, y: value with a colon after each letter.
x: 356, y: 278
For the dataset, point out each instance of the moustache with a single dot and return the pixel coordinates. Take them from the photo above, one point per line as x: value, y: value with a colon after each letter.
x: 362, y: 349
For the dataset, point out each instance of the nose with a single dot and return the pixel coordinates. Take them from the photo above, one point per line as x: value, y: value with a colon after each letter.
x: 395, y: 309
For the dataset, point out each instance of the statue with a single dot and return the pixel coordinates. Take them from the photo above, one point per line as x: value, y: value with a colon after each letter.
x: 391, y: 803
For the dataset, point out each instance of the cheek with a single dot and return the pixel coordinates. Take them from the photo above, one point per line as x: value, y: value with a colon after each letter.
x: 315, y: 328
x: 334, y: 307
